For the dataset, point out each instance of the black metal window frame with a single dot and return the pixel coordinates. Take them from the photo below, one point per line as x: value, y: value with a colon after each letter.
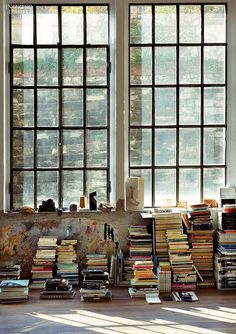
x: 152, y: 86
x: 59, y: 47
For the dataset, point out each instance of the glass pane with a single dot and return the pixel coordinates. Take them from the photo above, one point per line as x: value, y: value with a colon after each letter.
x: 165, y: 24
x: 21, y: 24
x: 165, y: 147
x: 140, y: 24
x: 165, y: 106
x: 73, y: 148
x: 189, y: 146
x: 23, y: 189
x: 214, y: 146
x: 189, y: 105
x: 23, y: 67
x: 190, y: 24
x: 190, y: 65
x: 47, y: 185
x: 48, y: 105
x: 96, y: 148
x: 147, y: 174
x: 72, y: 24
x: 214, y: 24
x: 72, y: 187
x: 214, y: 64
x: 96, y: 180
x: 165, y: 65
x: 140, y: 139
x: 189, y: 179
x: 214, y: 105
x: 47, y: 67
x: 72, y: 107
x: 96, y: 66
x: 23, y: 148
x: 47, y: 148
x: 23, y: 107
x: 97, y: 16
x: 214, y: 178
x: 72, y: 66
x: 96, y: 104
x: 140, y: 106
x: 165, y: 187
x: 140, y: 65
x: 47, y: 24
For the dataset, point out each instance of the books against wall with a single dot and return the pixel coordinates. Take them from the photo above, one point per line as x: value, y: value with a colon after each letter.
x: 10, y: 272
x: 57, y: 288
x: 94, y: 286
x: 14, y: 291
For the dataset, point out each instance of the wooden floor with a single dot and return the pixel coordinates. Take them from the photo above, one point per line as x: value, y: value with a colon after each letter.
x: 214, y: 313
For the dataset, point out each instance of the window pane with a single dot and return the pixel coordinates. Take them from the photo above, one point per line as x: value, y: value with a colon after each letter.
x: 140, y: 24
x: 140, y: 106
x: 48, y: 105
x: 96, y: 107
x: 47, y: 24
x: 47, y: 67
x: 72, y: 107
x: 140, y: 65
x: 23, y: 107
x: 190, y: 65
x: 165, y: 147
x: 165, y: 65
x: 47, y: 148
x: 189, y: 146
x: 147, y: 174
x: 165, y: 24
x: 72, y: 24
x: 214, y: 146
x: 189, y: 105
x: 23, y: 150
x: 214, y: 178
x: 140, y: 139
x: 165, y: 186
x: 214, y: 105
x: 190, y: 24
x: 97, y: 16
x: 96, y: 180
x: 73, y: 148
x: 214, y: 64
x: 96, y: 148
x: 21, y: 24
x: 165, y: 106
x: 47, y: 184
x: 96, y: 66
x: 72, y: 187
x: 189, y: 185
x: 214, y: 24
x: 72, y: 66
x: 23, y: 189
x: 23, y: 67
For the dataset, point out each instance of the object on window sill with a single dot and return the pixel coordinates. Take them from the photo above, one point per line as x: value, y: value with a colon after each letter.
x: 135, y: 193
x: 105, y: 207
x: 47, y: 206
x: 73, y: 207
x: 27, y: 210
x: 92, y: 201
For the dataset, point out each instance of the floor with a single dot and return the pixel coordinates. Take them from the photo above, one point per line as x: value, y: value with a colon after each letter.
x: 214, y: 313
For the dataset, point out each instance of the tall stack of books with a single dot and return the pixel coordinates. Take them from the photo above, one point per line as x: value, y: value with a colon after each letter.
x: 199, y: 227
x: 57, y: 288
x: 139, y: 242
x: 44, y: 261
x: 14, y: 291
x: 67, y: 265
x: 144, y: 281
x: 9, y: 272
x: 225, y: 256
x: 94, y: 286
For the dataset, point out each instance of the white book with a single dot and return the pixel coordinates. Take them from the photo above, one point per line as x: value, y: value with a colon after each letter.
x: 152, y: 298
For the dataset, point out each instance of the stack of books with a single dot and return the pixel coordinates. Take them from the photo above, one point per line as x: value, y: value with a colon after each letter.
x: 14, y: 291
x: 139, y: 242
x: 94, y: 286
x: 97, y: 261
x: 44, y: 261
x: 67, y: 265
x: 144, y: 281
x: 164, y: 276
x: 10, y: 272
x: 57, y: 288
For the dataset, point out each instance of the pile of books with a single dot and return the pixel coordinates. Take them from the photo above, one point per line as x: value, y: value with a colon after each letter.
x: 94, y: 286
x: 67, y: 265
x: 14, y: 291
x: 9, y: 272
x: 57, y: 288
x: 164, y: 276
x: 139, y: 242
x: 97, y: 261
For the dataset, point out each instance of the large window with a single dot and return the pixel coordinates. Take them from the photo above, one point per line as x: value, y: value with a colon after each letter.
x: 60, y: 103
x: 177, y: 100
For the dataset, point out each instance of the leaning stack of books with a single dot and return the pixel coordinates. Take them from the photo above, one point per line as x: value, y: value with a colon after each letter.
x: 9, y: 272
x: 14, y: 291
x: 94, y: 286
x: 57, y: 288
